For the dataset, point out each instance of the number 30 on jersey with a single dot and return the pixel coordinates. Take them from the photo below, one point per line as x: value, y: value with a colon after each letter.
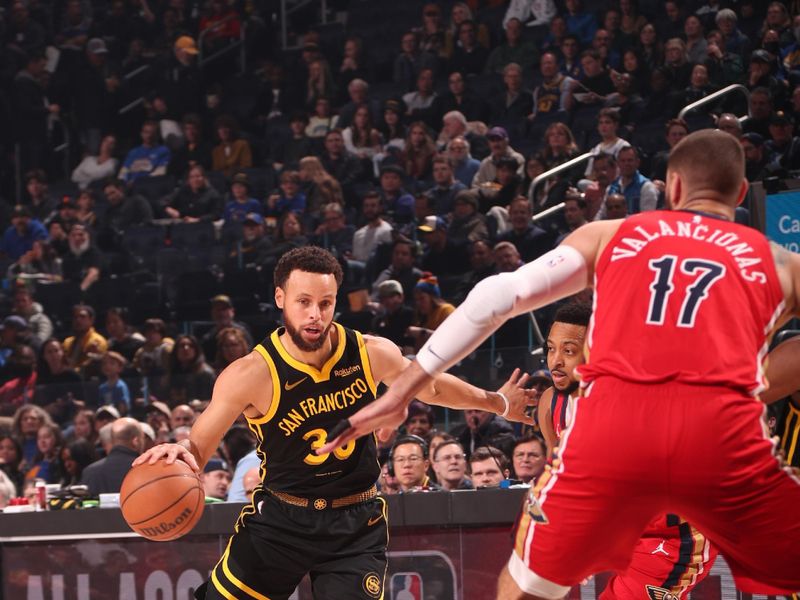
x: 320, y: 437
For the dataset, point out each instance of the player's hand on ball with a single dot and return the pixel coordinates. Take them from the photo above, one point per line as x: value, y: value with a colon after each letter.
x: 519, y: 398
x: 169, y: 453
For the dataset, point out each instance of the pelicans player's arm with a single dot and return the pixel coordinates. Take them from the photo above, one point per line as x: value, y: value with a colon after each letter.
x: 557, y: 274
x: 245, y: 386
x: 388, y: 365
x: 546, y: 419
x: 783, y: 371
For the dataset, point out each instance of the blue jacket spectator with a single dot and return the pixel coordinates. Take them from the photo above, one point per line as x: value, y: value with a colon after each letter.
x: 115, y: 394
x: 237, y: 493
x: 290, y: 196
x: 640, y: 193
x: 464, y: 166
x: 296, y: 204
x: 580, y: 23
x: 398, y: 202
x: 23, y: 231
x: 240, y: 204
x: 149, y: 159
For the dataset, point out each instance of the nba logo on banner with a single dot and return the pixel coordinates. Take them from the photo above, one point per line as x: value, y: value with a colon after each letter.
x: 406, y: 586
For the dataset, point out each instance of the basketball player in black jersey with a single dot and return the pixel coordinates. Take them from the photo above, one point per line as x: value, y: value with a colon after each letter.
x: 783, y: 375
x: 312, y: 513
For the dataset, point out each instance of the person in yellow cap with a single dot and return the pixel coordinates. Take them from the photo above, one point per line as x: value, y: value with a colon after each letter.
x: 430, y: 309
x: 185, y: 49
x: 180, y: 82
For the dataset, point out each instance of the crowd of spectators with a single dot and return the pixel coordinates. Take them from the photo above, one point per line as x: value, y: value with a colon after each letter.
x: 200, y: 152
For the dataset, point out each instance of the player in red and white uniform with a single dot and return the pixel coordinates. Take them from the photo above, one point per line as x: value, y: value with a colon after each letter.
x: 671, y: 557
x: 669, y: 420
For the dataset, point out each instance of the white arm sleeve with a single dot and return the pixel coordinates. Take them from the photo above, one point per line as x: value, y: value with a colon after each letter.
x: 555, y: 275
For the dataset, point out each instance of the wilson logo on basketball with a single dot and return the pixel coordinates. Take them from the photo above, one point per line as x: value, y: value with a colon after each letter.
x: 163, y: 527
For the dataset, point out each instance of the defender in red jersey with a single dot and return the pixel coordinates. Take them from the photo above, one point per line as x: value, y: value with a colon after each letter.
x: 669, y: 421
x: 671, y: 557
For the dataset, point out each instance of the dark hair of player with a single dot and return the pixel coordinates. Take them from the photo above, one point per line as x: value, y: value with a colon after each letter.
x: 574, y: 313
x: 310, y: 259
x: 710, y: 160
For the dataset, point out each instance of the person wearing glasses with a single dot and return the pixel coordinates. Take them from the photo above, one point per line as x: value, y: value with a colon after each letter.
x: 450, y: 466
x: 409, y: 463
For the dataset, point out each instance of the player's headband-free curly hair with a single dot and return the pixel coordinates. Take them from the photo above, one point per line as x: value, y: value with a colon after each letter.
x: 574, y: 313
x: 310, y: 259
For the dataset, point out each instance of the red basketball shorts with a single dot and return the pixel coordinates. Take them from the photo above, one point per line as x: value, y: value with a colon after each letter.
x: 634, y: 452
x: 669, y: 560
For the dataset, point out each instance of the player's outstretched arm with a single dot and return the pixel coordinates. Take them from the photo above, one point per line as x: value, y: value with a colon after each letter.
x: 557, y: 274
x: 233, y: 393
x: 783, y: 371
x: 389, y: 366
x: 452, y: 392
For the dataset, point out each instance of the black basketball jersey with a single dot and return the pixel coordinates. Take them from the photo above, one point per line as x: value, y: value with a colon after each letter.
x: 307, y: 402
x: 548, y: 97
x: 788, y: 431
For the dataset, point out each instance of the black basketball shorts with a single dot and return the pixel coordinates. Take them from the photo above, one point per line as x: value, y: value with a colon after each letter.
x: 343, y: 550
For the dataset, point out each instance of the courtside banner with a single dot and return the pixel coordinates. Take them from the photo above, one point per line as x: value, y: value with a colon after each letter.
x: 424, y: 563
x: 783, y: 219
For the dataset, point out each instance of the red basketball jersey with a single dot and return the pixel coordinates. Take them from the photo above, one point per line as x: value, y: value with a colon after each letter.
x: 683, y: 296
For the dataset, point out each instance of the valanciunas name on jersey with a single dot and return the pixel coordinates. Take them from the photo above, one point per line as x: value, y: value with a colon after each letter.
x: 324, y: 403
x: 743, y: 253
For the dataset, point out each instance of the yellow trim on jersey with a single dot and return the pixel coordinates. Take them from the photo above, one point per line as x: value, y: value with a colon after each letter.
x: 276, y: 387
x: 362, y: 350
x: 218, y: 585
x: 792, y: 427
x: 250, y: 509
x: 232, y: 578
x: 318, y: 376
x: 385, y: 513
x: 522, y: 533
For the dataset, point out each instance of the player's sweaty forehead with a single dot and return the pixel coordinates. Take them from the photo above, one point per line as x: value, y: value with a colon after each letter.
x: 566, y: 333
x: 313, y: 285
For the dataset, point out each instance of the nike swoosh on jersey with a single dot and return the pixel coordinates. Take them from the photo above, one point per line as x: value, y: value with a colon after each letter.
x: 290, y: 386
x: 374, y: 520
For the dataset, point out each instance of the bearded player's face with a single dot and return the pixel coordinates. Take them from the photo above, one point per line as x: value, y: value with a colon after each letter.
x: 308, y: 301
x: 564, y: 353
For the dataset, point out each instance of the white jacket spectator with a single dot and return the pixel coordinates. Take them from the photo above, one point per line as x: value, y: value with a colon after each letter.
x: 375, y: 232
x: 97, y: 168
x: 531, y: 12
x: 7, y: 490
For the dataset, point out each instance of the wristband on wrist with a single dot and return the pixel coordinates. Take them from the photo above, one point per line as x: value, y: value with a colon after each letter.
x: 507, y: 405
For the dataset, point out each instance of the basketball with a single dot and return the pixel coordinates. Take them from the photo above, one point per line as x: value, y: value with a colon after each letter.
x: 162, y: 502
